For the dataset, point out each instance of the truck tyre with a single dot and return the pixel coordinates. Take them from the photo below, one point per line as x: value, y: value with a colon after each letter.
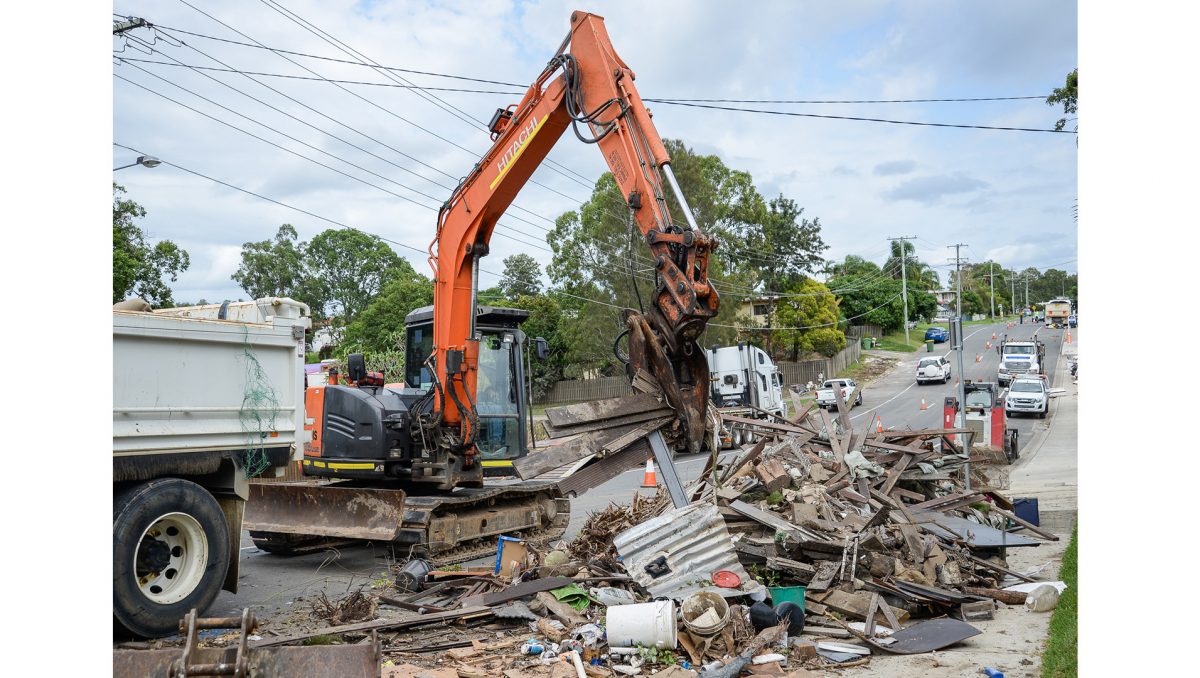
x: 170, y: 554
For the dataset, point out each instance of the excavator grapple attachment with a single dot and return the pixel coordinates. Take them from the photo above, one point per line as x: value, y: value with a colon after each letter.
x: 683, y: 378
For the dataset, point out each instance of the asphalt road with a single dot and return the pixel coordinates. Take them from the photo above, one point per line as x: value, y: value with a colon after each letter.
x: 896, y: 397
x: 273, y: 584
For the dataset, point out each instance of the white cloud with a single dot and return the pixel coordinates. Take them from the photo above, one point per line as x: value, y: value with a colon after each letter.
x: 756, y: 50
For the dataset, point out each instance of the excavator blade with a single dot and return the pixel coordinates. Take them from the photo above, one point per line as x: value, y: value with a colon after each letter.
x: 325, y: 510
x: 688, y: 396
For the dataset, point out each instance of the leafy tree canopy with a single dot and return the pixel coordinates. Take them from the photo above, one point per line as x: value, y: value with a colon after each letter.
x: 352, y: 267
x: 277, y: 268
x: 1068, y: 96
x: 817, y: 313
x: 138, y: 266
x: 522, y: 276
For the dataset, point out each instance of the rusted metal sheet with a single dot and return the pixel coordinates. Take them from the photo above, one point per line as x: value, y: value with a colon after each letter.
x: 350, y: 661
x: 597, y: 443
x: 695, y: 544
x: 600, y: 471
x: 597, y: 410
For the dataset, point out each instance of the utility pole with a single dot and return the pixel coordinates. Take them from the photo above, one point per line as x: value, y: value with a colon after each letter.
x: 1012, y: 291
x: 992, y: 286
x: 1026, y: 291
x: 962, y: 386
x: 904, y: 277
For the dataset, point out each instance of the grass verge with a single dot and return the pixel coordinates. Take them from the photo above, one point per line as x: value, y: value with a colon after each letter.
x: 1061, y: 659
x: 854, y: 370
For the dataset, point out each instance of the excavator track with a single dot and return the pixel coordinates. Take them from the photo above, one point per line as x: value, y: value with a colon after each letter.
x: 445, y: 529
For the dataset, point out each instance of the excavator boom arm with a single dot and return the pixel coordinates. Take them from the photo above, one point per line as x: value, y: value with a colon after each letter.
x: 592, y: 90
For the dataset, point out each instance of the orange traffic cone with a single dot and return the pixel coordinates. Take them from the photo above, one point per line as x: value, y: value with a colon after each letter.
x: 993, y: 336
x: 989, y: 344
x: 878, y: 424
x: 978, y: 358
x: 923, y: 405
x: 650, y: 479
x: 1068, y: 337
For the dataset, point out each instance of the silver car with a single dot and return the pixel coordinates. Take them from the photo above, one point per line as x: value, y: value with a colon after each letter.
x: 1027, y: 395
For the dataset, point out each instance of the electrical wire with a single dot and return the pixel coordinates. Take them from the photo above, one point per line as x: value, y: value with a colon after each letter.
x: 745, y: 253
x: 316, y: 79
x: 811, y: 327
x: 863, y: 119
x: 487, y: 81
x: 749, y: 292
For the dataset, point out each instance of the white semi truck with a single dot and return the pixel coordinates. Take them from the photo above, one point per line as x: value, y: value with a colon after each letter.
x: 745, y: 382
x: 204, y: 398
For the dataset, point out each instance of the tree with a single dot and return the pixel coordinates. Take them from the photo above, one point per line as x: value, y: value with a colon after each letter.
x: 852, y: 265
x: 379, y: 327
x: 1068, y: 96
x: 138, y: 267
x: 782, y: 244
x: 352, y: 267
x: 914, y: 270
x: 817, y: 313
x: 879, y: 302
x: 522, y: 276
x: 277, y: 268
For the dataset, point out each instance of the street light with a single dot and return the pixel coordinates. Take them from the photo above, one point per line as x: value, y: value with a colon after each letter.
x: 147, y: 160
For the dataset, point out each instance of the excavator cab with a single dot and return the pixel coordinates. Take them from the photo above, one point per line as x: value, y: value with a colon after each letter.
x: 501, y: 400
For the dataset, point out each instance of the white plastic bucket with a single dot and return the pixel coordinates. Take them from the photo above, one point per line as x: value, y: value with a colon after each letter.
x: 644, y: 624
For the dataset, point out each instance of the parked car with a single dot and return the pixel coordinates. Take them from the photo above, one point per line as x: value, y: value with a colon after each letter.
x: 937, y: 334
x: 1072, y: 321
x: 933, y: 368
x: 828, y: 399
x: 1028, y: 395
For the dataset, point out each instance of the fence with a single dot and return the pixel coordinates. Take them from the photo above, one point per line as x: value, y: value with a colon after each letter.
x: 577, y: 390
x: 812, y: 370
x: 857, y: 332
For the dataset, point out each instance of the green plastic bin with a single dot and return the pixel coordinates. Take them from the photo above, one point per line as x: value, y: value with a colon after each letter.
x: 929, y: 346
x: 787, y: 594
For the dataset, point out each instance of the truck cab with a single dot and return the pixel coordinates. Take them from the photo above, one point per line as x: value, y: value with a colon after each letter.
x: 745, y: 376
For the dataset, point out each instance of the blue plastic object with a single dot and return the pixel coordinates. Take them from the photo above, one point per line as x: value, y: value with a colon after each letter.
x: 992, y: 673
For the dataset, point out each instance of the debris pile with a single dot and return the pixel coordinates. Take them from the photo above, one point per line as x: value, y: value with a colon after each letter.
x: 819, y: 546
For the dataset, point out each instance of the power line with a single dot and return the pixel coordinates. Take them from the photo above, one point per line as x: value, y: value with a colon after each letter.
x: 316, y: 79
x: 811, y: 327
x: 862, y: 119
x: 844, y: 101
x: 354, y: 62
x: 434, y: 99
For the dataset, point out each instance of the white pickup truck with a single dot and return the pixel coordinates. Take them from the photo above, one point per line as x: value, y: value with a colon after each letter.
x: 828, y: 399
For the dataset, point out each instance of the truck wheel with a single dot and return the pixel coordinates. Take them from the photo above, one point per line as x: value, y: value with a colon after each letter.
x: 170, y: 554
x: 737, y: 437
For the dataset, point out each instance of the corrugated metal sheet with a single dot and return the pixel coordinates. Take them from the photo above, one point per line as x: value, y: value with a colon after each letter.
x: 695, y: 543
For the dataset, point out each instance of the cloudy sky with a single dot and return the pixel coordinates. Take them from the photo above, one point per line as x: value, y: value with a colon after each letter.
x: 1007, y: 194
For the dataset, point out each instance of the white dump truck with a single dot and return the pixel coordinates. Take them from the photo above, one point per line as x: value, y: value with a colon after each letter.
x: 204, y: 398
x: 745, y: 382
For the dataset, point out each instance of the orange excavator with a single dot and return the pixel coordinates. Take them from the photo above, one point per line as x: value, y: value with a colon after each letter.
x: 377, y: 442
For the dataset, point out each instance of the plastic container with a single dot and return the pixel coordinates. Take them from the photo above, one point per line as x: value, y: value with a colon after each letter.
x: 929, y: 346
x: 607, y: 595
x: 645, y: 624
x: 1042, y: 599
x: 787, y: 594
x: 705, y: 613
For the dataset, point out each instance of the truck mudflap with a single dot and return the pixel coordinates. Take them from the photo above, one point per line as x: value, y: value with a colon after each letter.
x: 293, y: 518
